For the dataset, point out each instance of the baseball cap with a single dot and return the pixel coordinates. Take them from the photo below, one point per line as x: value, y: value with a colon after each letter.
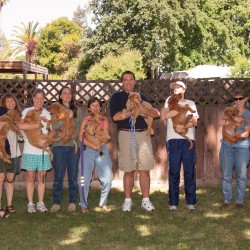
x: 182, y: 84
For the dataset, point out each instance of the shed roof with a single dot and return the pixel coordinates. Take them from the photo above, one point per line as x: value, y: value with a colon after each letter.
x: 22, y: 67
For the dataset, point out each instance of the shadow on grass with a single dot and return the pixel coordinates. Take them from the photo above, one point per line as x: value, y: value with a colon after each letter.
x: 208, y: 227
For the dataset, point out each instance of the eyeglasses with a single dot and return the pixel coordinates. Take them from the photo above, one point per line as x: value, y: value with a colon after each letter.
x: 238, y: 98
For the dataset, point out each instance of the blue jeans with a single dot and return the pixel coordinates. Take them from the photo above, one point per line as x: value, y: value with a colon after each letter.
x: 103, y: 164
x: 230, y: 157
x: 178, y: 153
x: 64, y: 158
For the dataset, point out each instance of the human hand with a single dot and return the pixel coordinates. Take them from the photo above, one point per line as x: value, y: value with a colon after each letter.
x: 41, y: 142
x: 97, y: 148
x: 143, y: 110
x: 44, y: 119
x: 179, y: 128
x: 239, y: 119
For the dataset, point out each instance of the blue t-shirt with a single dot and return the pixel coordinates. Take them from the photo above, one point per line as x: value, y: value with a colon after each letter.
x: 118, y: 103
x: 246, y: 142
x: 7, y: 145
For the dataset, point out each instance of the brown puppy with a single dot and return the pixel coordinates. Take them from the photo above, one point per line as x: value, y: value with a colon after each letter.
x: 60, y: 113
x: 10, y: 119
x: 34, y: 135
x: 93, y: 131
x: 229, y: 133
x: 134, y: 104
x: 181, y: 118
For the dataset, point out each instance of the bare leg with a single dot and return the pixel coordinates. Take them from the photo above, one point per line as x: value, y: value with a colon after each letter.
x: 2, y: 177
x: 41, y: 185
x: 128, y: 183
x: 144, y: 179
x: 9, y: 189
x: 30, y: 179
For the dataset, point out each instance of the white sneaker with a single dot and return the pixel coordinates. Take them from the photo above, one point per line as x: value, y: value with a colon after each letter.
x: 126, y: 206
x: 31, y: 208
x: 172, y: 207
x: 147, y: 205
x: 40, y: 206
x: 190, y: 207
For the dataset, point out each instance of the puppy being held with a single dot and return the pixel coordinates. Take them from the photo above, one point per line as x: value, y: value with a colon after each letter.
x: 94, y: 132
x: 35, y: 137
x: 9, y: 122
x: 134, y: 105
x: 60, y: 113
x: 229, y: 133
x: 181, y: 118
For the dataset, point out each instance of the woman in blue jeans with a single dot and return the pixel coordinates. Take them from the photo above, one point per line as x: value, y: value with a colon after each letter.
x: 236, y: 155
x: 64, y: 156
x: 93, y: 156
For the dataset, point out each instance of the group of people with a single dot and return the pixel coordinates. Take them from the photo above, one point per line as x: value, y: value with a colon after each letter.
x: 135, y: 153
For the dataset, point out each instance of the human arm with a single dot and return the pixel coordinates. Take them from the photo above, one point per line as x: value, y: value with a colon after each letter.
x: 169, y: 113
x: 122, y: 115
x: 152, y: 112
x: 2, y: 124
x: 28, y: 126
x: 246, y: 133
x: 192, y: 123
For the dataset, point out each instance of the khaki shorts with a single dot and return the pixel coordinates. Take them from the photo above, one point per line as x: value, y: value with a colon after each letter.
x: 135, y: 151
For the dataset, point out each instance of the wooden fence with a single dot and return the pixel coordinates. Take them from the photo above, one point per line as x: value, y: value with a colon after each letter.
x: 212, y: 96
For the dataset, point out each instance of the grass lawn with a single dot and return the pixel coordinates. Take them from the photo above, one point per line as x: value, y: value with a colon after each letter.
x: 208, y: 227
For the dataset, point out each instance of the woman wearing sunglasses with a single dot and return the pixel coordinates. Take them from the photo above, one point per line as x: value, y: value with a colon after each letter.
x: 236, y: 155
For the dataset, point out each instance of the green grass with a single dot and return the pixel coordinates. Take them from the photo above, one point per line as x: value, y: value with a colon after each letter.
x: 208, y: 227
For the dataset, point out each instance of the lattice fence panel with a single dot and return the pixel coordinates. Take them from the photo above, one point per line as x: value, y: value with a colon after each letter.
x: 156, y: 91
x: 202, y: 91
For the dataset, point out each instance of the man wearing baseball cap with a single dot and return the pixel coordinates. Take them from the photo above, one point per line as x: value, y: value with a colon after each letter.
x: 178, y: 152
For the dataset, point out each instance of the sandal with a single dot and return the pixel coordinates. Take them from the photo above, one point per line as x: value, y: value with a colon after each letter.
x: 106, y: 209
x: 10, y: 209
x: 3, y: 214
x: 84, y: 210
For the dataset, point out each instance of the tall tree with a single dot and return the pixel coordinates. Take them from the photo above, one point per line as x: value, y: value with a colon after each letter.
x: 149, y: 26
x: 111, y: 67
x: 58, y: 45
x: 25, y: 40
x: 6, y: 52
x: 2, y: 3
x: 173, y: 34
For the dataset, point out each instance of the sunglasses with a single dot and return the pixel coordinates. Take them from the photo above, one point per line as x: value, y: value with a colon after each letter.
x: 238, y: 98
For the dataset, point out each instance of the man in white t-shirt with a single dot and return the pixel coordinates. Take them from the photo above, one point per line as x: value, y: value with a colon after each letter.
x: 178, y: 152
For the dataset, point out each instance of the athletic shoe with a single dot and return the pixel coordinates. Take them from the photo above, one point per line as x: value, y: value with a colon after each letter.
x: 190, y: 207
x: 31, y: 208
x: 126, y: 206
x: 147, y: 205
x: 40, y: 206
x: 172, y: 207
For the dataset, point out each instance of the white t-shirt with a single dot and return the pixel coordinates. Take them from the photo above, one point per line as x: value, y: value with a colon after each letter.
x: 171, y: 134
x: 28, y: 148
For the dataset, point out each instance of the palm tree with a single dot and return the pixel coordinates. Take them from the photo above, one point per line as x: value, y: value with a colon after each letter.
x: 26, y: 40
x: 2, y: 3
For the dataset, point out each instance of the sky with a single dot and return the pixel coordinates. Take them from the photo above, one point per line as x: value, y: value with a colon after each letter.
x: 14, y: 12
